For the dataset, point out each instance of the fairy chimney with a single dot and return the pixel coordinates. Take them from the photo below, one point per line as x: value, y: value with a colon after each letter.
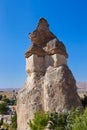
x: 50, y: 85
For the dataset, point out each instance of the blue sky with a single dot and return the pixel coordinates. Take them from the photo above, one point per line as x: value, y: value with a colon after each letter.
x: 68, y: 21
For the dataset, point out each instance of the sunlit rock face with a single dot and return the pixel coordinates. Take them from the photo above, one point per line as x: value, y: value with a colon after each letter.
x: 40, y: 64
x: 50, y: 85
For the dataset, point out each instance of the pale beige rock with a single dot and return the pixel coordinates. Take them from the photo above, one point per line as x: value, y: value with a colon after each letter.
x: 38, y: 64
x: 30, y: 99
x: 55, y: 60
x: 35, y: 64
x: 50, y: 85
x: 53, y: 91
x: 60, y: 92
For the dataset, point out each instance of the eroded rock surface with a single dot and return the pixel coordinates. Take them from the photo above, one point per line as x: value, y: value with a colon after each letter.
x: 50, y: 85
x: 44, y: 42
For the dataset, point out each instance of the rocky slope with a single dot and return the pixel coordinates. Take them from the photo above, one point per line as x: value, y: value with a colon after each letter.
x: 50, y: 85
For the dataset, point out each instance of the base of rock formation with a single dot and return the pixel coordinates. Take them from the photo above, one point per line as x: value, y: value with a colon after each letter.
x: 53, y: 91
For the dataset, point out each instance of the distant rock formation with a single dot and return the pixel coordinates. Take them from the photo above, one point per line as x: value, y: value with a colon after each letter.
x: 82, y: 87
x: 50, y: 85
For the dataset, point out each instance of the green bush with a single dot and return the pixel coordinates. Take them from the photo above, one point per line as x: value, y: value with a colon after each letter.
x: 14, y: 121
x: 1, y: 97
x: 3, y: 108
x: 40, y: 121
x: 74, y: 120
x: 80, y: 121
x: 6, y: 100
x: 58, y: 121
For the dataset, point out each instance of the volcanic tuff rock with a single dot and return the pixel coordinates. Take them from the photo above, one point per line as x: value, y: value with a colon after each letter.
x: 50, y: 85
x: 45, y: 42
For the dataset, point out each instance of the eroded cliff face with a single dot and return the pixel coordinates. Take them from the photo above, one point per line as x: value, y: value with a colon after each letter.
x: 50, y: 85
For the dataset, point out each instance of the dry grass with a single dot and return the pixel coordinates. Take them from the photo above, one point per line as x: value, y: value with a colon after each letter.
x: 8, y: 94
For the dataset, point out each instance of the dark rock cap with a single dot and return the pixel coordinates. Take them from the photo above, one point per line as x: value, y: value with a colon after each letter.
x: 44, y: 42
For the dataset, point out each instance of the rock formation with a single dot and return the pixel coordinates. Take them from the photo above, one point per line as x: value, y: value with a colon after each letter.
x: 50, y: 85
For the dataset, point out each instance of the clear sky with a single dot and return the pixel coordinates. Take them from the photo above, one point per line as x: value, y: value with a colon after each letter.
x: 68, y: 21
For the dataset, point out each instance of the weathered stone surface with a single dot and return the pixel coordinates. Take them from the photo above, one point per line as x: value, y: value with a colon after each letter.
x: 53, y: 91
x: 45, y: 42
x: 55, y: 60
x: 42, y: 33
x: 60, y: 92
x: 50, y: 85
x: 40, y: 64
x: 55, y: 47
x: 35, y: 64
x: 35, y: 49
x: 30, y: 99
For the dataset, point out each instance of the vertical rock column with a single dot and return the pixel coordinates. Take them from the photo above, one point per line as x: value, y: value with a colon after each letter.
x: 50, y: 85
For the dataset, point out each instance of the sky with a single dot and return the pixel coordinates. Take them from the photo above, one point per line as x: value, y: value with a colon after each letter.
x: 67, y: 20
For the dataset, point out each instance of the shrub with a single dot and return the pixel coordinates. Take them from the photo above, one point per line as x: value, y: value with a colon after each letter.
x: 6, y: 100
x: 14, y: 121
x: 80, y: 121
x: 74, y: 120
x: 3, y: 108
x: 58, y: 121
x: 1, y: 97
x: 40, y: 121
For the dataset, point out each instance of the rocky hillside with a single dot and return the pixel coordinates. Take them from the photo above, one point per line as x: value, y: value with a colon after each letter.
x: 82, y: 87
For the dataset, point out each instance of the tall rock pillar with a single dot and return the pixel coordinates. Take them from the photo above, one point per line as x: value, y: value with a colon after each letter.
x: 50, y: 85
